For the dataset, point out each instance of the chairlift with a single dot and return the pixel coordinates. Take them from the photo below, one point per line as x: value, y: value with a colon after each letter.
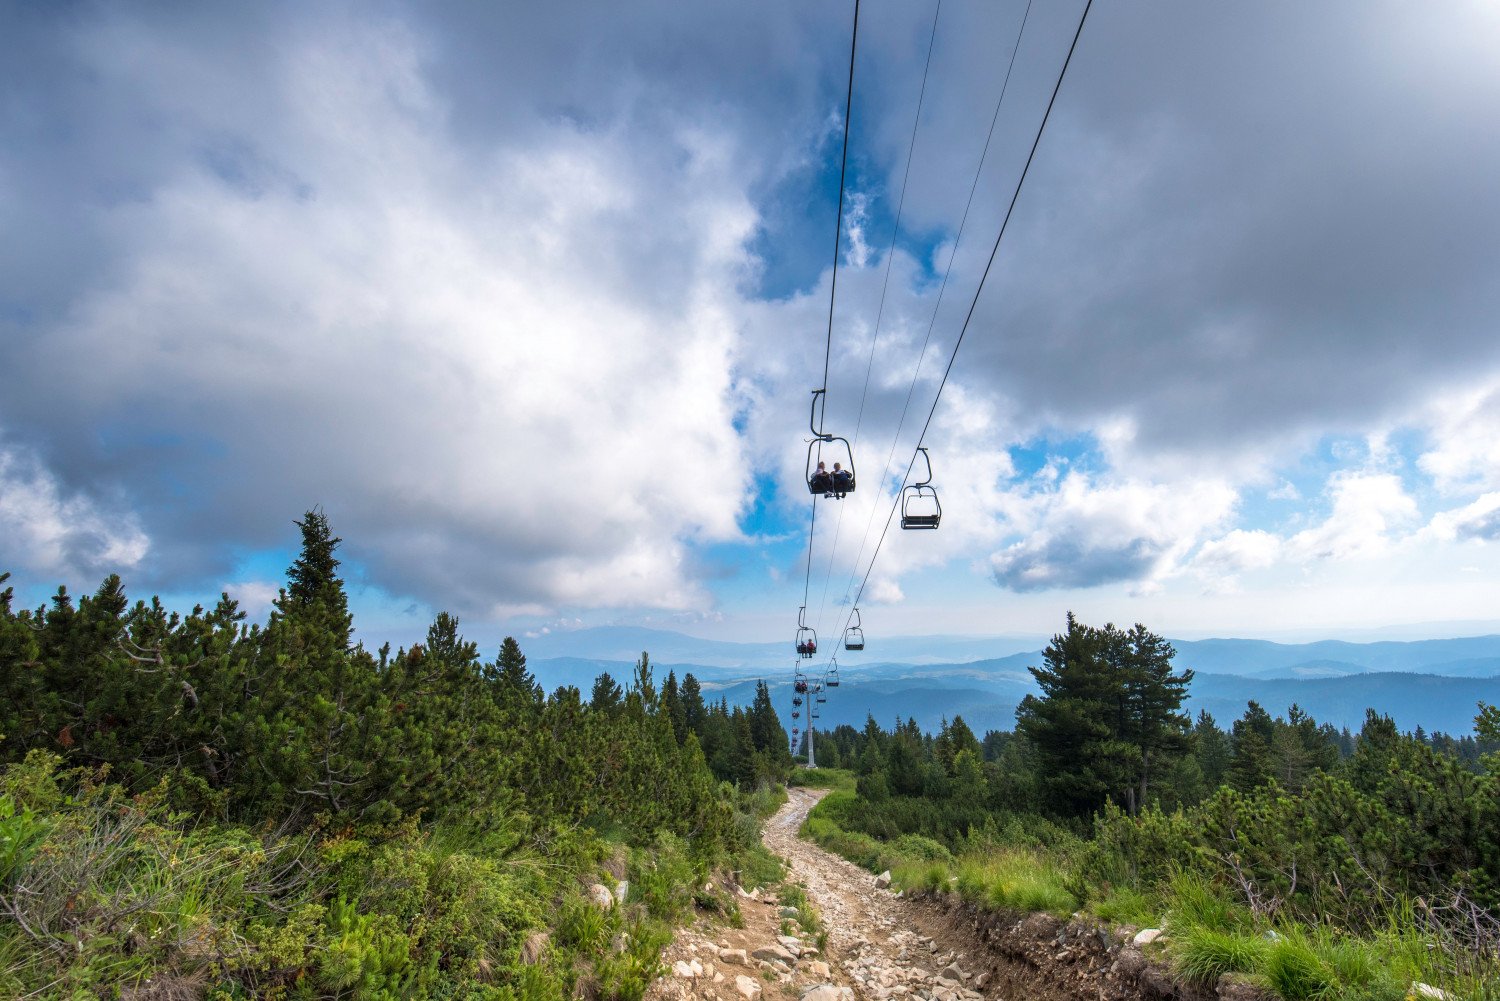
x: 821, y: 697
x: 840, y: 453
x: 799, y: 683
x: 796, y: 714
x: 854, y: 636
x: 919, y: 501
x: 807, y: 637
x: 831, y: 679
x: 796, y: 700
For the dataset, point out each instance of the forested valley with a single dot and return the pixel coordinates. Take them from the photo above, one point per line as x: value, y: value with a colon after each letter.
x: 1308, y: 861
x: 197, y: 806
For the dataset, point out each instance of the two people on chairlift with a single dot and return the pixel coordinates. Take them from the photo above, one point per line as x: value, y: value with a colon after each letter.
x: 834, y: 484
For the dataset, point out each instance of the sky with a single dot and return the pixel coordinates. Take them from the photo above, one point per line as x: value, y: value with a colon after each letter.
x: 530, y: 300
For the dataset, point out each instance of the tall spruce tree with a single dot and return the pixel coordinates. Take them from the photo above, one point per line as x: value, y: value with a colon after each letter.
x: 1108, y: 719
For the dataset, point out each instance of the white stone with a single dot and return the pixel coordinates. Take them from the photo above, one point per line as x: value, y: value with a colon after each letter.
x: 747, y: 986
x: 622, y: 890
x: 682, y: 970
x: 883, y: 880
x: 1428, y: 991
x: 600, y: 895
x: 736, y: 956
x: 1146, y: 936
x: 774, y: 953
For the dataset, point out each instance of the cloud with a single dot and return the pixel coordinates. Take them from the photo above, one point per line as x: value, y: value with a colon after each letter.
x: 1477, y: 521
x: 1369, y: 512
x: 503, y: 364
x: 1464, y: 427
x: 1087, y: 534
x: 50, y: 530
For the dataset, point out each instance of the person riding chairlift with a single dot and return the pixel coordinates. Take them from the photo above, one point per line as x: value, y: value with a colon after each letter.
x: 822, y: 482
x: 843, y: 481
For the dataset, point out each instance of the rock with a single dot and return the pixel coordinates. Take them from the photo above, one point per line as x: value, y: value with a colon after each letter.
x: 827, y: 992
x: 1146, y: 936
x: 953, y: 973
x: 683, y: 970
x: 736, y: 956
x: 982, y: 981
x: 601, y: 897
x: 696, y: 967
x: 718, y: 977
x: 818, y: 968
x: 622, y: 890
x: 883, y: 880
x: 774, y: 954
x: 1129, y: 963
x: 790, y: 944
x: 1239, y: 987
x: 789, y: 912
x: 748, y: 987
x: 1422, y: 990
x: 534, y: 947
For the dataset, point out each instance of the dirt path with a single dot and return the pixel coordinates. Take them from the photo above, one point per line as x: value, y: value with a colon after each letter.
x: 879, y: 945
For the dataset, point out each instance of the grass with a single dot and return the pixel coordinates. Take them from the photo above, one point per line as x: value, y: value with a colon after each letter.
x: 823, y: 778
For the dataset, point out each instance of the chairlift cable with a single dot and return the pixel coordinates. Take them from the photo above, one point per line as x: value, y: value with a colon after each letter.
x: 880, y: 310
x: 838, y: 233
x: 942, y: 288
x: 974, y: 303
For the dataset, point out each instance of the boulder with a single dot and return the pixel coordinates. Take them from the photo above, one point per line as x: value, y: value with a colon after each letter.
x: 1146, y: 936
x: 790, y: 944
x: 818, y: 968
x: 601, y: 897
x: 736, y: 956
x: 952, y: 973
x: 774, y: 954
x: 883, y: 880
x: 683, y: 970
x: 622, y: 890
x: 748, y: 987
x: 1428, y: 991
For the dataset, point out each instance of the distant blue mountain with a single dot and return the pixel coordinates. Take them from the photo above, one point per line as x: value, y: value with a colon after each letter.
x: 1430, y: 683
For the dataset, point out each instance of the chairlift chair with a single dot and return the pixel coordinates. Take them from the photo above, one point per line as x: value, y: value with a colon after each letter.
x: 919, y: 501
x: 854, y: 636
x: 839, y: 451
x: 799, y: 684
x: 807, y: 637
x: 832, y: 679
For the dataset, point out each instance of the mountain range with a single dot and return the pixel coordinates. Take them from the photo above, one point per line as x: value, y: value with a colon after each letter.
x: 1434, y: 684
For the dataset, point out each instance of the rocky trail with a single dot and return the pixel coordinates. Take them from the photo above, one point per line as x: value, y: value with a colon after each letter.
x: 884, y: 946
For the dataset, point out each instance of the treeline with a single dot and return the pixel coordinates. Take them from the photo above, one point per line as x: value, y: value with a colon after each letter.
x: 1107, y: 795
x: 234, y: 739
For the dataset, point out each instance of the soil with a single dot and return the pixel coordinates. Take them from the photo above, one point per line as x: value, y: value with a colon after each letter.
x: 887, y: 946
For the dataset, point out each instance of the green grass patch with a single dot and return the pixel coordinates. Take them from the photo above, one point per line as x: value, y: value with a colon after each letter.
x: 823, y: 778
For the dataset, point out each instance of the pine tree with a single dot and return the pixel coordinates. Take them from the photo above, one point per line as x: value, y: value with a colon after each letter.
x: 1108, y: 718
x: 606, y: 695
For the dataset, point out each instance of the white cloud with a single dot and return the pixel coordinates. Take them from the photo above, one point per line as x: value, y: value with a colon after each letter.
x: 1087, y: 533
x: 1477, y: 521
x: 507, y: 376
x: 1465, y: 432
x: 46, y: 529
x: 1369, y: 513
